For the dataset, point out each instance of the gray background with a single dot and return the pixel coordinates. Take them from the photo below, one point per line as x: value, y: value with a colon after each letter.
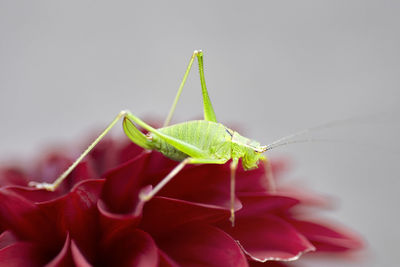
x: 272, y: 67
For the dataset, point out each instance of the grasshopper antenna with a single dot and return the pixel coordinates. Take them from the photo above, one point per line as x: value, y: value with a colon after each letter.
x: 331, y: 124
x: 306, y: 140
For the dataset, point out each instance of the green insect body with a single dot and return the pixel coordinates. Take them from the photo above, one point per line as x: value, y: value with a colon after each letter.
x: 207, y: 136
x: 193, y: 142
x: 215, y: 139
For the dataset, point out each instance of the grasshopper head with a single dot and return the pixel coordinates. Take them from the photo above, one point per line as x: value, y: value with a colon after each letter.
x: 252, y: 156
x: 249, y: 150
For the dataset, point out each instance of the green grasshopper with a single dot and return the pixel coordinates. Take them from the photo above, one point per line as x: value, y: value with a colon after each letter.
x: 193, y: 142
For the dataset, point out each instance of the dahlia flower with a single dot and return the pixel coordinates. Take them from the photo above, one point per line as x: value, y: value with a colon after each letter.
x: 95, y: 218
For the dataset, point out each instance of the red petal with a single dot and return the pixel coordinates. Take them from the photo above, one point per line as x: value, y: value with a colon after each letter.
x: 25, y: 219
x: 7, y: 238
x: 82, y: 172
x: 158, y: 163
x: 121, y: 189
x: 39, y: 195
x: 36, y: 195
x: 69, y: 256
x: 268, y: 264
x: 129, y: 247
x: 328, y: 238
x: 251, y: 181
x: 202, y: 245
x: 258, y: 204
x: 207, y: 184
x: 47, y: 222
x: 162, y: 214
x: 12, y: 176
x: 129, y: 152
x: 110, y: 222
x: 80, y: 215
x: 63, y: 258
x: 79, y: 259
x: 268, y: 237
x: 104, y: 155
x: 165, y: 261
x: 210, y: 183
x: 21, y: 254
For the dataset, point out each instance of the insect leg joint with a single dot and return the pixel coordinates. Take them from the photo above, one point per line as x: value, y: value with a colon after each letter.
x: 123, y: 113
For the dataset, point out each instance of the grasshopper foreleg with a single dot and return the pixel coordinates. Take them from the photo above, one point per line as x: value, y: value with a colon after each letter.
x: 269, y: 176
x: 53, y: 186
x: 233, y: 168
x: 147, y: 196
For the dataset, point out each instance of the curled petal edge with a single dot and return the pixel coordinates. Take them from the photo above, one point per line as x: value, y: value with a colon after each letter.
x: 295, y: 257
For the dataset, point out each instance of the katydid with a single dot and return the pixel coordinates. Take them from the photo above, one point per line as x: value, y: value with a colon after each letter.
x: 193, y: 142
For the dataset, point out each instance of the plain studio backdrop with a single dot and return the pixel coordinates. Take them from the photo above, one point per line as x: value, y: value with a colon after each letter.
x: 272, y: 68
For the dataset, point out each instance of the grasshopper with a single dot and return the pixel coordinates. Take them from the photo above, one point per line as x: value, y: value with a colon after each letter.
x: 193, y: 142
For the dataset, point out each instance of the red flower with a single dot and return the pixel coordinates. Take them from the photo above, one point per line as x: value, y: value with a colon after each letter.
x: 96, y: 218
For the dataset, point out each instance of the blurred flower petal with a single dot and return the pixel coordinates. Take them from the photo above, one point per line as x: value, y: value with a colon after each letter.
x: 21, y: 254
x: 202, y: 245
x: 163, y: 214
x: 267, y: 237
x: 129, y: 247
x: 328, y: 238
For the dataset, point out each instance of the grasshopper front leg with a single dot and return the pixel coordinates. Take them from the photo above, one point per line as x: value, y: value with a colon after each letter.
x: 149, y: 195
x: 269, y: 176
x: 233, y: 168
x: 53, y: 186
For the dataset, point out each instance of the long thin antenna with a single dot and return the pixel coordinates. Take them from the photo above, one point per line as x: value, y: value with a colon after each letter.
x: 368, y: 146
x: 307, y: 140
x: 315, y: 128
